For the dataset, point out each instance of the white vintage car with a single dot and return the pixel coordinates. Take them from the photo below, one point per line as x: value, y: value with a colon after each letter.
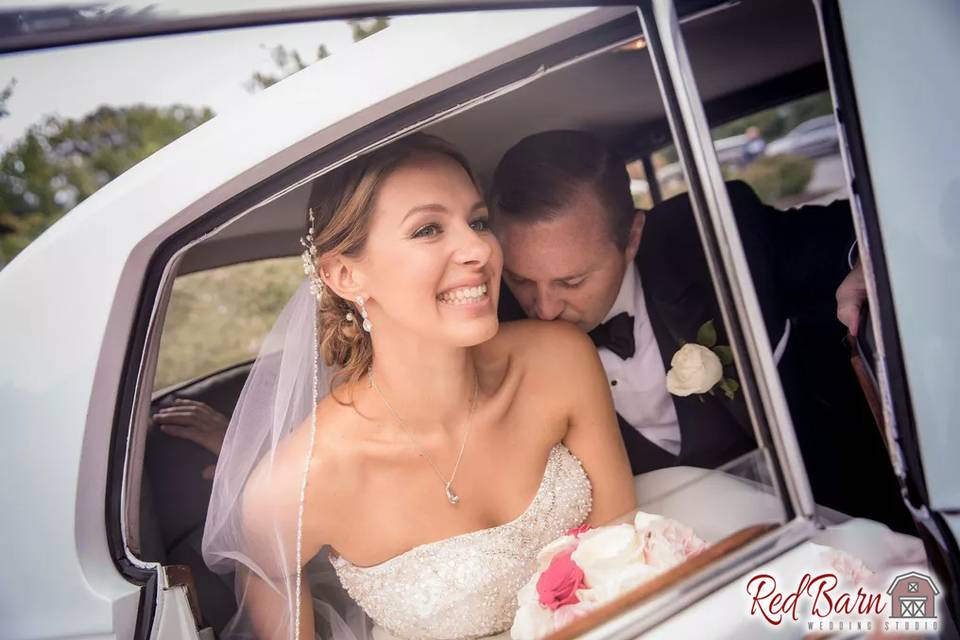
x: 88, y: 553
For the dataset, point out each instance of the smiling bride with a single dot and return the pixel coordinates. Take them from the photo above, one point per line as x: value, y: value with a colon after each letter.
x: 393, y: 437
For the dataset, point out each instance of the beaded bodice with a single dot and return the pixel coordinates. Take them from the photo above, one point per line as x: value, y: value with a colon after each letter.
x: 466, y: 586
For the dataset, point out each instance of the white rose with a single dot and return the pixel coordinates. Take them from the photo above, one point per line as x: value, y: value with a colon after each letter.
x: 607, y: 550
x: 616, y: 582
x: 531, y: 622
x: 528, y: 592
x: 667, y: 543
x: 643, y: 520
x: 693, y: 369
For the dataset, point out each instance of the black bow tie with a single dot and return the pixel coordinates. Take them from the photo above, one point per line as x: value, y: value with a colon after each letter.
x: 616, y: 334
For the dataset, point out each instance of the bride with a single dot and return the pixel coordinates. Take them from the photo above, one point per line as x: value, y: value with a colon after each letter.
x: 442, y: 452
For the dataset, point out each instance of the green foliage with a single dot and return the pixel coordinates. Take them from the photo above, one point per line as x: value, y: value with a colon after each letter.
x: 61, y: 161
x: 773, y: 123
x: 365, y: 27
x: 777, y: 177
x: 707, y: 334
x: 725, y: 353
x: 729, y: 386
x: 218, y: 318
x: 289, y: 61
x: 5, y: 94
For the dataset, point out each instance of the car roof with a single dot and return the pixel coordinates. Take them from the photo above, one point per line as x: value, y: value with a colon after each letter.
x: 612, y: 94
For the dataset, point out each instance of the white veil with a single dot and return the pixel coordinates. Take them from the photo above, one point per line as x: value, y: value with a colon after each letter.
x: 271, y: 434
x: 278, y: 396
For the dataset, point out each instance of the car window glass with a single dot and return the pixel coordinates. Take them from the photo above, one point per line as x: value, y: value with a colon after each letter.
x: 789, y: 154
x: 786, y: 152
x: 218, y: 317
x: 639, y: 187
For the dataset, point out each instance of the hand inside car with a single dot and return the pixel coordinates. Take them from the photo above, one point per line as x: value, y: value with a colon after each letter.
x: 851, y: 294
x: 197, y: 422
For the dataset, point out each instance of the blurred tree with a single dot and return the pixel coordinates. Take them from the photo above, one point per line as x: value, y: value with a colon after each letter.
x: 5, y: 94
x: 289, y: 61
x: 367, y: 27
x: 59, y: 162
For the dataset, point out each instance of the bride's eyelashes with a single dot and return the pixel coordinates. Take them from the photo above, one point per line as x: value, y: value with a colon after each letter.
x: 480, y: 224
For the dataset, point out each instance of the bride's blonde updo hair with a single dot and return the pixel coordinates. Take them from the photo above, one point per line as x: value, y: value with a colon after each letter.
x: 343, y: 202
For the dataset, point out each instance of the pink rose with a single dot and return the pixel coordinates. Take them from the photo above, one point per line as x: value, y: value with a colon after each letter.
x: 558, y: 585
x: 851, y: 569
x: 667, y: 543
x: 576, y: 531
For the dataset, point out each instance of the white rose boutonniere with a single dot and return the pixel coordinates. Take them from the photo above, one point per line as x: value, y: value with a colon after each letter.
x: 693, y: 369
x: 699, y: 367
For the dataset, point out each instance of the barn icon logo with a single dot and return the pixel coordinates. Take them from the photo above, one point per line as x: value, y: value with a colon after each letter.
x: 913, y: 596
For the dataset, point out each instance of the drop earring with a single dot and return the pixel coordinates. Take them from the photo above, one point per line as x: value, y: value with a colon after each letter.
x: 363, y: 314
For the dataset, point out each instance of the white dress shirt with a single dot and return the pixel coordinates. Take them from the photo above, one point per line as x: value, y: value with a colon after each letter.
x: 639, y: 384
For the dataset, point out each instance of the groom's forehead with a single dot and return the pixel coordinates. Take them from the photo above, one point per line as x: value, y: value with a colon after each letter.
x: 573, y: 227
x: 554, y: 249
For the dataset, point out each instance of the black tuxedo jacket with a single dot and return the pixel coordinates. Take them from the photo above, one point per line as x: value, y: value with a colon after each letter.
x: 797, y: 258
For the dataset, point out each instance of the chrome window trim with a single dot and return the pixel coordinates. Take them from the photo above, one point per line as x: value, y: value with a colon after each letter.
x: 702, y: 169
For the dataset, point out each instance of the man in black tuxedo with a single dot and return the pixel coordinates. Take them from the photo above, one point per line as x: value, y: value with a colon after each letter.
x: 576, y: 249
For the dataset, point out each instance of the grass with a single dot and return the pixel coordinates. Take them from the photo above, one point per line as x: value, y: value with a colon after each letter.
x: 217, y: 318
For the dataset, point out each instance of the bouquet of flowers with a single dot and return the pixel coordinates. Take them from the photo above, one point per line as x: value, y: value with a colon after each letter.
x: 587, y: 567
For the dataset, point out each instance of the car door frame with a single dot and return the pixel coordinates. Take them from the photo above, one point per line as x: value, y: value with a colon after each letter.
x: 718, y: 231
x: 900, y: 427
x: 157, y: 283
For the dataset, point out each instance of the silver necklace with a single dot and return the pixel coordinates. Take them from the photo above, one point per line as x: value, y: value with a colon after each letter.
x: 452, y: 496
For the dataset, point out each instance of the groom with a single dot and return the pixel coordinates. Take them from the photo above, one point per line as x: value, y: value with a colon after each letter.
x: 576, y: 249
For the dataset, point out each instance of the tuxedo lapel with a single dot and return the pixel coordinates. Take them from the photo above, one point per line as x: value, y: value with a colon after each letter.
x: 679, y: 297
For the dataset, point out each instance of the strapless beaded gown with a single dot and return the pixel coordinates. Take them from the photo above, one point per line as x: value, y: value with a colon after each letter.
x: 466, y: 586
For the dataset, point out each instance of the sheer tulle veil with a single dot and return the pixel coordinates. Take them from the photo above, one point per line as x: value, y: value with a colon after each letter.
x: 279, y: 397
x: 270, y: 439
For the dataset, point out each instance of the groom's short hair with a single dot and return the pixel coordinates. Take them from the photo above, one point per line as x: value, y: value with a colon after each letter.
x: 542, y: 174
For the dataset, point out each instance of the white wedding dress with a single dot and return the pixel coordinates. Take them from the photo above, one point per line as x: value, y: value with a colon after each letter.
x: 466, y: 586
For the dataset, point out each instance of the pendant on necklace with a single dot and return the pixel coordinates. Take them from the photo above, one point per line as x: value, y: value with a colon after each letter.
x: 451, y: 495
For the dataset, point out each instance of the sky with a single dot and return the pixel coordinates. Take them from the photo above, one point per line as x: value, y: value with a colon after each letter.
x: 204, y: 69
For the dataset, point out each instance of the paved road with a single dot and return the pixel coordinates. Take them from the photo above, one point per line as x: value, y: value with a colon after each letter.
x: 827, y: 174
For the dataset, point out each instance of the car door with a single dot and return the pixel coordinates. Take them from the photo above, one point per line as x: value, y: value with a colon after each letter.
x: 181, y: 206
x: 900, y: 155
x: 776, y: 431
x: 84, y: 521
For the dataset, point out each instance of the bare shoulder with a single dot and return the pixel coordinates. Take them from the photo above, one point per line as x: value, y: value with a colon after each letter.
x: 546, y: 343
x: 557, y: 352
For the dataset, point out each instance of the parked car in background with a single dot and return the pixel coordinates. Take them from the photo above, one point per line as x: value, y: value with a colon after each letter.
x: 812, y: 139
